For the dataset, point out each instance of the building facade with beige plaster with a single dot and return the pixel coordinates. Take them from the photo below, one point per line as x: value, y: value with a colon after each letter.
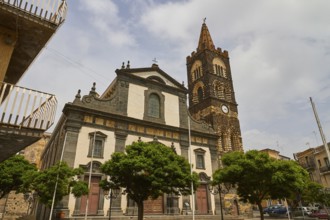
x: 274, y: 154
x: 316, y: 161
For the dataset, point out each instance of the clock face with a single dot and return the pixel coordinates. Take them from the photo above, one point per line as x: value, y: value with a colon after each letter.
x: 224, y: 108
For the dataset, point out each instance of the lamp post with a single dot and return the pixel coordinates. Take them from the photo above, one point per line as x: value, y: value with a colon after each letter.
x: 111, y: 194
x: 218, y: 190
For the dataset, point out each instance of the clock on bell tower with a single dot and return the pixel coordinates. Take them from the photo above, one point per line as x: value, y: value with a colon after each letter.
x: 211, y: 92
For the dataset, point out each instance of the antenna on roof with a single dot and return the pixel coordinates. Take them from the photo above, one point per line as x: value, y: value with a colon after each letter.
x: 155, y: 60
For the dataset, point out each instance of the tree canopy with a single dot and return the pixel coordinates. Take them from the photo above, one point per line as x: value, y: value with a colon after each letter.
x: 12, y: 172
x: 16, y: 173
x: 44, y: 181
x: 147, y: 170
x: 315, y: 193
x: 257, y: 176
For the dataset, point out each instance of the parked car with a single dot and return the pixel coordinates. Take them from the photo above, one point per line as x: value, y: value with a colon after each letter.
x: 281, y: 210
x: 321, y: 214
x: 304, y: 210
x: 274, y: 210
x: 269, y: 209
x: 315, y: 206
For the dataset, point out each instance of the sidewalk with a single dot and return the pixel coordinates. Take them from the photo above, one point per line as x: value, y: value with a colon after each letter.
x: 256, y: 216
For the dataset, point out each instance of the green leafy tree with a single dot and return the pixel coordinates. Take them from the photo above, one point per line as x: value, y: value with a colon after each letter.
x: 147, y: 170
x: 257, y: 177
x: 315, y: 193
x: 44, y: 183
x: 12, y: 172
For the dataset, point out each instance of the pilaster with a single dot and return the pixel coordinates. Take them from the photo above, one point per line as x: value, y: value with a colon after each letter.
x: 121, y: 135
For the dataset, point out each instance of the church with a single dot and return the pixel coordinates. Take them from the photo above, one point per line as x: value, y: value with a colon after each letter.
x: 147, y: 104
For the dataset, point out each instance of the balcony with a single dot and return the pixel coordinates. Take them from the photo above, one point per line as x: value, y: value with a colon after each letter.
x: 325, y: 169
x: 25, y: 114
x: 308, y: 165
x: 53, y: 11
x: 25, y: 28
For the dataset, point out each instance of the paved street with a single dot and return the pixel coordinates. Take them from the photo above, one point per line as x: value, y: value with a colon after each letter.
x: 256, y: 216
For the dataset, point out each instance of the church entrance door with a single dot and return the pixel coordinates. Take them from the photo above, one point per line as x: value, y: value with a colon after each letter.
x: 93, y: 199
x: 154, y: 206
x: 201, y: 197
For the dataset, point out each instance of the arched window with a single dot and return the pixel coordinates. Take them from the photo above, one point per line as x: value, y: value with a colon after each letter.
x: 219, y: 68
x: 154, y: 106
x: 196, y: 70
x: 200, y: 94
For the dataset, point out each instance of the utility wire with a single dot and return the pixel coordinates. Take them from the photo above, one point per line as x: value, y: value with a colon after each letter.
x: 85, y: 70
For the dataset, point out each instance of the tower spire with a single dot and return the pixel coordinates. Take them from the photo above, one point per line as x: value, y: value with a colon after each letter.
x: 205, y: 40
x: 211, y: 92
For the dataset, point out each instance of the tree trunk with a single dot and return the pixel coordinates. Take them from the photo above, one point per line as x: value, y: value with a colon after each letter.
x: 140, y: 210
x: 261, y: 210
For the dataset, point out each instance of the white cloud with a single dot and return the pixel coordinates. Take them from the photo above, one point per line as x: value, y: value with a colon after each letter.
x: 105, y: 18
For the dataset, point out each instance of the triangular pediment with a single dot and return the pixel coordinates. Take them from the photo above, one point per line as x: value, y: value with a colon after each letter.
x: 154, y: 74
x: 157, y: 77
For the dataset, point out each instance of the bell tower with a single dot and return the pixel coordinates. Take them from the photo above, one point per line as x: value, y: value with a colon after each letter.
x: 211, y: 92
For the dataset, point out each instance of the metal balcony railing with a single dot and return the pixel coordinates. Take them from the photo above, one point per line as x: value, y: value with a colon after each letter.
x: 53, y: 11
x: 325, y: 169
x: 26, y: 108
x: 308, y: 166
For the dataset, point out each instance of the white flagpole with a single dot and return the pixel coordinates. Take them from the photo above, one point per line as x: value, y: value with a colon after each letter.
x: 54, y: 194
x: 190, y: 161
x: 326, y: 148
x: 90, y: 175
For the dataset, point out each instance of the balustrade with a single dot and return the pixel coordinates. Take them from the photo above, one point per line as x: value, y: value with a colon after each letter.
x: 22, y: 107
x: 53, y: 11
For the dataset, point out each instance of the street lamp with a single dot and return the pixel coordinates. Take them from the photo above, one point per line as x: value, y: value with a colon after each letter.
x: 111, y: 194
x: 218, y: 190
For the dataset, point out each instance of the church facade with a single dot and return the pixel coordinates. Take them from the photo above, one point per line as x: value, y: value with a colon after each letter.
x: 147, y: 104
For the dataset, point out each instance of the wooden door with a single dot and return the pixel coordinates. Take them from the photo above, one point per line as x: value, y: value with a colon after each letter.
x: 154, y: 206
x: 93, y: 199
x: 201, y: 200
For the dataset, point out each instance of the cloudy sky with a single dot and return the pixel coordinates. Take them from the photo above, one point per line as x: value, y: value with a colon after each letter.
x: 279, y: 51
